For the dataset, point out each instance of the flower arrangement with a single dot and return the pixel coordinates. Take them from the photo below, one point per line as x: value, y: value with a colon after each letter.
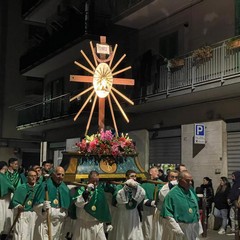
x: 202, y: 54
x: 177, y: 63
x: 233, y: 43
x: 106, y: 143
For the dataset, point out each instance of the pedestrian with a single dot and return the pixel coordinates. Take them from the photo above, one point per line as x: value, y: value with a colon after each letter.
x: 221, y: 207
x: 207, y: 191
x: 232, y: 197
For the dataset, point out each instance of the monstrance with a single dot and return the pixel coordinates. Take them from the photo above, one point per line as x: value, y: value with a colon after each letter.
x: 102, y: 79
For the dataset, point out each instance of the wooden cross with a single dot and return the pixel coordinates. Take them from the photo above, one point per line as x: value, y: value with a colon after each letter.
x: 106, y: 77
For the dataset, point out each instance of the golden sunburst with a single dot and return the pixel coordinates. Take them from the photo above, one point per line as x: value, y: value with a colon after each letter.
x: 103, y: 80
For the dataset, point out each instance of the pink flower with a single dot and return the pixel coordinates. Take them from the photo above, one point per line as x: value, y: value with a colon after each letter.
x: 105, y: 143
x: 106, y: 136
x: 93, y: 145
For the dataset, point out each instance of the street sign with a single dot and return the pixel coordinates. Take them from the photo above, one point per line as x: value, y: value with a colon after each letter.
x: 199, y: 133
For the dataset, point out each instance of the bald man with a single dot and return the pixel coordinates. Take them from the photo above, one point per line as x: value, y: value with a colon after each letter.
x: 56, y: 205
x: 180, y: 210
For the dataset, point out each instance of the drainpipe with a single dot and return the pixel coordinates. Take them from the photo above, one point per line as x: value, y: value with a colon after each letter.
x: 86, y: 20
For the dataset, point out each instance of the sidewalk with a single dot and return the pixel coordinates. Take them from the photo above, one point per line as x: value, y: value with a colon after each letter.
x: 213, y: 234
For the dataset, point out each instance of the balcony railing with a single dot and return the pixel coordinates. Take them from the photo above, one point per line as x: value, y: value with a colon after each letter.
x: 73, y: 28
x: 44, y: 111
x: 223, y: 64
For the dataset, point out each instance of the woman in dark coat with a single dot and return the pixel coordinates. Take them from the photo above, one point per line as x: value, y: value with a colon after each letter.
x: 207, y: 191
x: 221, y: 204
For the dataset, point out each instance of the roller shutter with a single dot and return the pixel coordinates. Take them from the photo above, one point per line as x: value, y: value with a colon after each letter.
x: 233, y: 152
x: 165, y: 150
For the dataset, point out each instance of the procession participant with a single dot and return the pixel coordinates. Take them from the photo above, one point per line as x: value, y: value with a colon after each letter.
x: 126, y: 224
x: 46, y: 167
x: 172, y: 181
x: 51, y: 203
x: 92, y: 211
x: 180, y: 209
x: 12, y: 174
x: 6, y: 188
x: 16, y: 179
x: 38, y: 169
x: 24, y: 217
x: 181, y: 167
x: 150, y: 214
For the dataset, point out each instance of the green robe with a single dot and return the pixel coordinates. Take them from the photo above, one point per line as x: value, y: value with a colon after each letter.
x: 151, y: 189
x: 59, y: 195
x: 40, y: 181
x: 181, y: 205
x: 24, y: 195
x: 97, y: 206
x: 14, y: 178
x: 5, y: 185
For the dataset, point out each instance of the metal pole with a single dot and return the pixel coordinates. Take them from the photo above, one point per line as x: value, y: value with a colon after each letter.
x: 86, y: 20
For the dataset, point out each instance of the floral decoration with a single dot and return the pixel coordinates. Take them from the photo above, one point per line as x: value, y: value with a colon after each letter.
x: 176, y: 62
x: 106, y: 143
x: 233, y: 43
x: 202, y: 54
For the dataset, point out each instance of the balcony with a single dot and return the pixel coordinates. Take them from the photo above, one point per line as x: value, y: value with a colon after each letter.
x: 139, y: 14
x: 219, y: 74
x: 59, y: 34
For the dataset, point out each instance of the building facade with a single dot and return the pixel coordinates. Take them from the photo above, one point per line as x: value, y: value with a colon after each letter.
x: 184, y: 62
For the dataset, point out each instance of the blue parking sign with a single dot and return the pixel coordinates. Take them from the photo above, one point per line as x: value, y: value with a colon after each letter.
x: 199, y: 133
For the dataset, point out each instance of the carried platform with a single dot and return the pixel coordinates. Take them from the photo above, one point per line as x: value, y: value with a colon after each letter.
x: 78, y: 166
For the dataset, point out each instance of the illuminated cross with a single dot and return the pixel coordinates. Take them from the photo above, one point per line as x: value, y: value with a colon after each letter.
x: 103, y: 80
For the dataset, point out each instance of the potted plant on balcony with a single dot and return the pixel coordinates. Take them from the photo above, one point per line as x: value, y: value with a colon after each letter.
x: 233, y: 43
x: 202, y: 55
x: 176, y: 63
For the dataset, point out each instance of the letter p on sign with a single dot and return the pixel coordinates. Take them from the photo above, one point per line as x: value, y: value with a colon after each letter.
x: 199, y: 135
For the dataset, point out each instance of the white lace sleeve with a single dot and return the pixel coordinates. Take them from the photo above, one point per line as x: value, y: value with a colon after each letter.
x: 122, y: 197
x: 80, y: 202
x: 139, y: 195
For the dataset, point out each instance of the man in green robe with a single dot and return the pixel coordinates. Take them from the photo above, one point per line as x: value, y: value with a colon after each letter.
x: 92, y: 210
x: 51, y: 203
x: 180, y: 210
x: 150, y: 213
x: 6, y: 188
x: 13, y: 174
x: 22, y: 201
x: 40, y: 178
